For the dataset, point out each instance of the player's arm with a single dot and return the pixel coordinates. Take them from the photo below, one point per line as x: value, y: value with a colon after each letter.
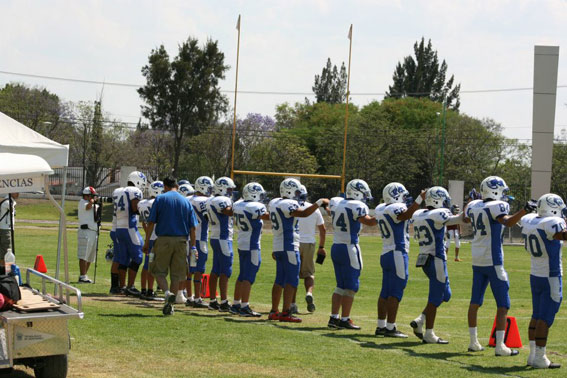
x: 134, y: 204
x: 413, y: 208
x: 149, y: 230
x: 265, y: 216
x: 456, y: 220
x: 367, y: 220
x: 228, y: 211
x: 322, y: 236
x: 511, y: 220
x: 302, y: 213
x: 90, y: 204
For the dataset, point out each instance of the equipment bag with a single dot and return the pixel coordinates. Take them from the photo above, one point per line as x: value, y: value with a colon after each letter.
x: 10, y: 289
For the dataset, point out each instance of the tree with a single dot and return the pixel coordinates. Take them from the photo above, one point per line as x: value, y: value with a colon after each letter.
x: 331, y: 85
x: 424, y: 77
x: 183, y: 95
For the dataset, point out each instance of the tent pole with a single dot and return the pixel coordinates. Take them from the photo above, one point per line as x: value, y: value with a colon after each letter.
x: 63, y: 193
x: 11, y: 210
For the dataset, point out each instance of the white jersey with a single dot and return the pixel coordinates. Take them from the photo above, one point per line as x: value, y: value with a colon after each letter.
x: 284, y: 225
x: 345, y: 214
x: 539, y: 242
x: 219, y: 223
x: 247, y: 218
x: 5, y: 212
x: 308, y: 225
x: 200, y: 206
x: 429, y: 227
x: 486, y: 246
x: 145, y: 208
x: 394, y: 232
x: 123, y: 197
x: 87, y: 216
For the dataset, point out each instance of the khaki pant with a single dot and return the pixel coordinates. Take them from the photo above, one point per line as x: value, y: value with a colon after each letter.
x: 170, y: 256
x: 5, y: 242
x: 306, y: 253
x: 86, y: 245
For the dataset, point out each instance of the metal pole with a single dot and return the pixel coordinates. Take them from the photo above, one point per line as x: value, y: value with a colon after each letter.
x: 443, y: 142
x: 61, y: 223
x: 10, y: 209
x: 84, y: 151
x: 346, y: 112
x: 235, y: 94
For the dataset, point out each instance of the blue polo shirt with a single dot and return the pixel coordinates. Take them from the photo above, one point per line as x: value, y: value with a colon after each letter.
x: 173, y: 215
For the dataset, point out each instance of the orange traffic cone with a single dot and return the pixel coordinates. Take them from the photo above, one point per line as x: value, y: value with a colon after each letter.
x: 511, y: 336
x: 40, y: 264
x: 205, y: 292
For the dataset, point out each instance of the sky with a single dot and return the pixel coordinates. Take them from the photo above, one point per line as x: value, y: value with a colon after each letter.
x: 487, y: 44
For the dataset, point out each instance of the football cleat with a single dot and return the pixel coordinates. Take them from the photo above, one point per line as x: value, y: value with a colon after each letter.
x: 333, y: 322
x: 85, y: 279
x: 133, y: 291
x: 289, y: 318
x: 395, y: 333
x: 433, y: 339
x: 274, y: 315
x: 168, y: 306
x: 214, y: 305
x: 248, y: 312
x: 475, y: 347
x: 190, y: 302
x: 380, y: 331
x: 180, y: 298
x: 199, y: 303
x: 114, y: 290
x: 293, y: 309
x: 417, y: 326
x: 310, y: 303
x: 224, y: 307
x: 234, y: 309
x: 503, y: 350
x: 348, y: 324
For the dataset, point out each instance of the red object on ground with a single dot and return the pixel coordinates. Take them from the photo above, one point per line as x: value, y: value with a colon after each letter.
x: 205, y: 293
x: 40, y: 264
x: 511, y: 336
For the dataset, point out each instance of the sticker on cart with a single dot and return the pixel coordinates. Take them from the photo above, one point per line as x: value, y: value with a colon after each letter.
x: 24, y: 337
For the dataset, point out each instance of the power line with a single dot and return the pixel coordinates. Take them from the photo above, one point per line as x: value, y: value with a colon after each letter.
x: 130, y: 85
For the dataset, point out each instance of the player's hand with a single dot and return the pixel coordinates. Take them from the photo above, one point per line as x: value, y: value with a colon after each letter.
x: 530, y: 206
x: 273, y: 255
x: 321, y: 251
x: 422, y: 193
x: 323, y: 202
x: 146, y: 248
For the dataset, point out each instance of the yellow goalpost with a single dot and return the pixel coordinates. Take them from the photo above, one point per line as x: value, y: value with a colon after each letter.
x: 306, y: 175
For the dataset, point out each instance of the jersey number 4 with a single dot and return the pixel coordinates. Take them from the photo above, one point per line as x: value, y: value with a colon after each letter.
x: 478, y: 225
x: 340, y: 222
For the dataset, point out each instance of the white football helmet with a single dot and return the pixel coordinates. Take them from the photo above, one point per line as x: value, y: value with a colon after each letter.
x: 156, y: 188
x: 494, y: 188
x: 182, y: 182
x: 302, y: 193
x: 186, y: 190
x: 551, y: 205
x: 253, y: 192
x: 437, y: 197
x: 138, y: 179
x: 224, y: 186
x: 204, y: 185
x: 394, y: 192
x: 358, y: 190
x: 290, y: 188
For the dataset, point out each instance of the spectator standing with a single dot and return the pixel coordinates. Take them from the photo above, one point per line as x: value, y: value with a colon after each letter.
x: 87, y: 234
x: 176, y: 223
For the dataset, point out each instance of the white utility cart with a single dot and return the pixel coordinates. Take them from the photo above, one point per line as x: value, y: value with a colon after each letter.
x: 37, y: 334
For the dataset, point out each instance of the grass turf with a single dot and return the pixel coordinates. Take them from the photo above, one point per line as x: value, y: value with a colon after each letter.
x: 122, y: 336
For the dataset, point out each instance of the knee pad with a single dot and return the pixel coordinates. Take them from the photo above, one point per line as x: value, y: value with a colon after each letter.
x: 122, y: 267
x: 349, y: 293
x: 134, y: 266
x: 339, y: 291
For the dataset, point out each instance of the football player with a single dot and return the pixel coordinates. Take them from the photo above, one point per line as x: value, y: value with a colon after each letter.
x: 488, y: 217
x: 248, y: 216
x: 429, y: 226
x: 348, y: 215
x: 204, y: 189
x: 283, y: 211
x: 543, y: 233
x: 116, y: 281
x: 219, y: 210
x: 144, y: 208
x: 129, y: 239
x: 185, y: 286
x: 393, y: 216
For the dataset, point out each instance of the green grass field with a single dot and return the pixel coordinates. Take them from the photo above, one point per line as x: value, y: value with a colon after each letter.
x: 127, y: 337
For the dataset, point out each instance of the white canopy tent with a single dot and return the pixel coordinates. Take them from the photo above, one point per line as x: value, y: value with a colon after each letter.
x: 18, y: 139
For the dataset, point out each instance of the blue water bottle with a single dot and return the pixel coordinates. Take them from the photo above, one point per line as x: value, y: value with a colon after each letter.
x: 16, y: 272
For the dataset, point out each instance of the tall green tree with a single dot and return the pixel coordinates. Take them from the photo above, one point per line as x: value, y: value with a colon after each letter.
x: 423, y: 76
x: 183, y: 95
x: 331, y: 85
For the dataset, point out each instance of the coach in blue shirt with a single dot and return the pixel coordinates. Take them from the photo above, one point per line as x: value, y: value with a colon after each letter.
x: 175, y: 221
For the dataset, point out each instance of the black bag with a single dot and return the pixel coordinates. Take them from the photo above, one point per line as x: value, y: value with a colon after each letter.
x: 9, y: 287
x: 423, y: 259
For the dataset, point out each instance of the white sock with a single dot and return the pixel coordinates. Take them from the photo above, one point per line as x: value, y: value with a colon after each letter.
x: 213, y: 300
x: 185, y: 292
x: 429, y: 334
x: 473, y: 334
x: 309, y: 294
x: 243, y: 304
x: 236, y: 302
x: 335, y: 316
x: 293, y: 305
x: 532, y: 351
x: 167, y: 293
x: 390, y: 326
x: 224, y: 301
x: 192, y: 298
x: 381, y: 323
x: 345, y: 318
x: 500, y: 338
x: 422, y: 317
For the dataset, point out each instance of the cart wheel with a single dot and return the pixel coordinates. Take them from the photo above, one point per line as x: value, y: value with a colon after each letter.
x: 52, y: 367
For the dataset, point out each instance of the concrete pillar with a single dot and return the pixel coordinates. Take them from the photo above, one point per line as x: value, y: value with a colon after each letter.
x: 457, y: 192
x: 546, y: 59
x: 124, y: 172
